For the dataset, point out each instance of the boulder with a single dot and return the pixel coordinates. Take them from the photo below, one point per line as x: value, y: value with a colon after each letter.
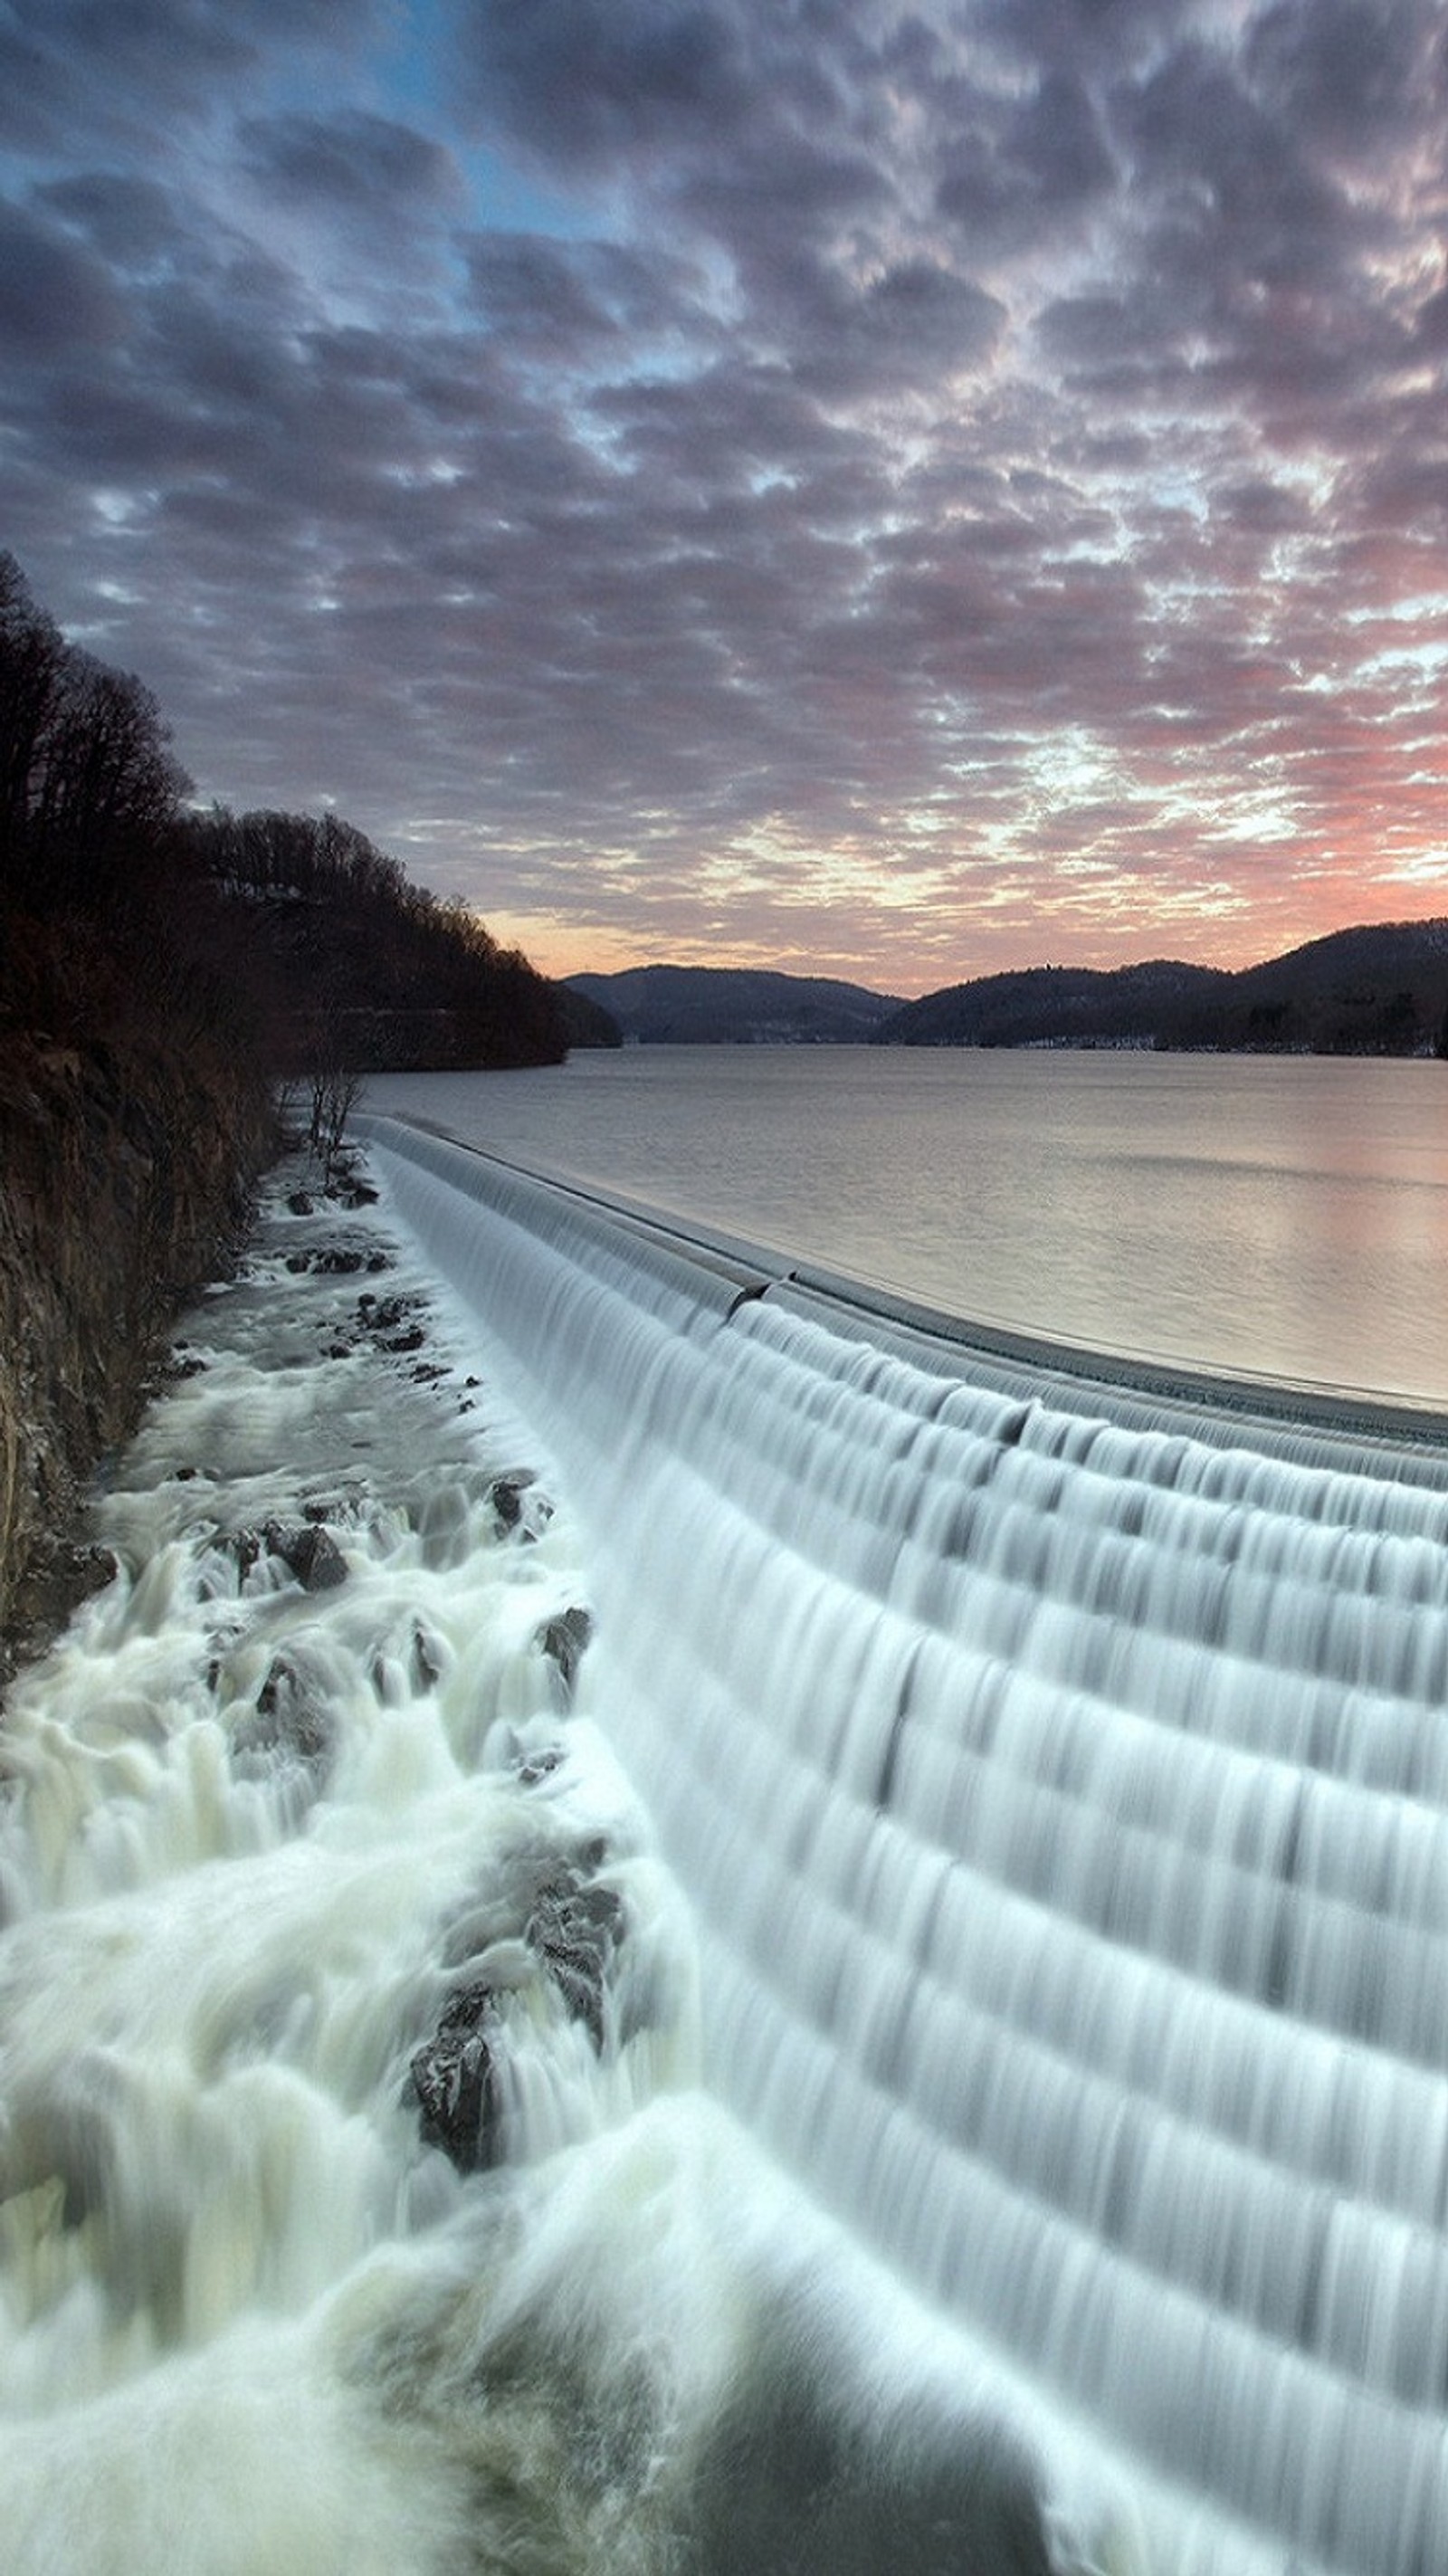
x: 306, y: 1548
x: 290, y: 1725
x: 453, y: 2079
x: 572, y: 1927
x: 310, y: 1550
x: 563, y: 1639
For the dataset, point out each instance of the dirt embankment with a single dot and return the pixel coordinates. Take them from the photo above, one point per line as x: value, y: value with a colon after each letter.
x: 123, y: 1181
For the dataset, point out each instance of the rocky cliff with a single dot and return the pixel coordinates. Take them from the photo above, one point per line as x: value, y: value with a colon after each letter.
x: 123, y: 1176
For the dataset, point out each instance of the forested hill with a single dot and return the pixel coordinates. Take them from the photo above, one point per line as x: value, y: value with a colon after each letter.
x: 112, y: 885
x: 158, y: 971
x: 1378, y: 990
x: 734, y: 1006
x: 135, y: 1103
x: 352, y: 964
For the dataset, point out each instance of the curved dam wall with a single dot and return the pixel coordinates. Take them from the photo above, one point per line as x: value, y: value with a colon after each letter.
x: 1060, y: 1776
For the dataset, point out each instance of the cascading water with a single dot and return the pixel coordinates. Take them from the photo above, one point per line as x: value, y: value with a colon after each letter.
x: 361, y: 2213
x: 1060, y: 1777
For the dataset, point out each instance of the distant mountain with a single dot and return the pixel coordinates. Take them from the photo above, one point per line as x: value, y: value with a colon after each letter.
x: 1060, y: 1005
x: 1379, y: 990
x: 734, y: 1006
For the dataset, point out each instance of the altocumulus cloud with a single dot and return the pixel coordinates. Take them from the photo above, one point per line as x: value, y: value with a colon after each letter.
x: 896, y: 488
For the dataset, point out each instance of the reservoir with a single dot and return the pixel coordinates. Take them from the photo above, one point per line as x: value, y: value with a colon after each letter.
x: 1281, y: 1217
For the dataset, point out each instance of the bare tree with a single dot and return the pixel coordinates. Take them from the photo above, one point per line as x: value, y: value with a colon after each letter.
x: 335, y: 1086
x: 32, y: 657
x: 107, y: 783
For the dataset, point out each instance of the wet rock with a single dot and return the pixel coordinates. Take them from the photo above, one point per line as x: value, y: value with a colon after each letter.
x: 420, y: 1668
x: 312, y: 1553
x: 245, y: 1547
x: 453, y: 2077
x: 426, y: 1657
x: 518, y: 1504
x: 83, y: 1570
x: 337, y: 1261
x: 383, y: 1314
x: 306, y: 1548
x: 569, y: 1929
x: 301, y: 1203
x: 530, y: 1768
x: 291, y: 1722
x: 392, y: 1322
x: 507, y: 1499
x: 575, y: 1929
x: 563, y: 1639
x: 60, y: 1576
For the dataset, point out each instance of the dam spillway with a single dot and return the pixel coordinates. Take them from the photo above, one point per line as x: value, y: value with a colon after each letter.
x: 1060, y: 1776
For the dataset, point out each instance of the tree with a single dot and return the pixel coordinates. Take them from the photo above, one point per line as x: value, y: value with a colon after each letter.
x: 88, y: 787
x: 32, y: 655
x: 334, y: 1085
x: 107, y: 785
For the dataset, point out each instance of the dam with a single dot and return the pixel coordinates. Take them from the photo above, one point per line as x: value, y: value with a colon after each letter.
x: 1058, y: 1771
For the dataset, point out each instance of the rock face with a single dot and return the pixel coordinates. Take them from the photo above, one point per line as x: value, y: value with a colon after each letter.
x: 124, y: 1180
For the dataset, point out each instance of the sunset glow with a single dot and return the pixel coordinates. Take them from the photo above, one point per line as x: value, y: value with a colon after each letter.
x: 895, y: 491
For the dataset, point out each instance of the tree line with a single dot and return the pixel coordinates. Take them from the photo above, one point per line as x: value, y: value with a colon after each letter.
x: 286, y: 936
x: 88, y: 786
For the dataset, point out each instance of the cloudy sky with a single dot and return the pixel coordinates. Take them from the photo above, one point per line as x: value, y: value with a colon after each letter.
x: 893, y: 488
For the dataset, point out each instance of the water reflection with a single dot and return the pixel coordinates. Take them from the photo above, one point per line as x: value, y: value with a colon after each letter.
x: 1280, y: 1216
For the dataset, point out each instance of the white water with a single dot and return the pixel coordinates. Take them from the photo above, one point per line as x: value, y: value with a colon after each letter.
x: 252, y: 1839
x: 1062, y: 1786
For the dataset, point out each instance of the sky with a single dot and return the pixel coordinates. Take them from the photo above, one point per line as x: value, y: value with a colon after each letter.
x: 890, y: 491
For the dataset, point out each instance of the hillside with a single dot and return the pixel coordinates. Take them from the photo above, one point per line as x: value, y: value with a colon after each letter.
x: 1060, y: 1005
x: 158, y: 971
x: 354, y: 963
x: 135, y: 1098
x: 1378, y: 990
x: 734, y: 1006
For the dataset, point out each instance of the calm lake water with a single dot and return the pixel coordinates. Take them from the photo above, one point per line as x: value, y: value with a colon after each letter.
x: 1275, y: 1217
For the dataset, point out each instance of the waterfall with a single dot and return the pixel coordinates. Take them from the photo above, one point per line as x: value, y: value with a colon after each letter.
x: 1059, y: 1773
x: 362, y: 2212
